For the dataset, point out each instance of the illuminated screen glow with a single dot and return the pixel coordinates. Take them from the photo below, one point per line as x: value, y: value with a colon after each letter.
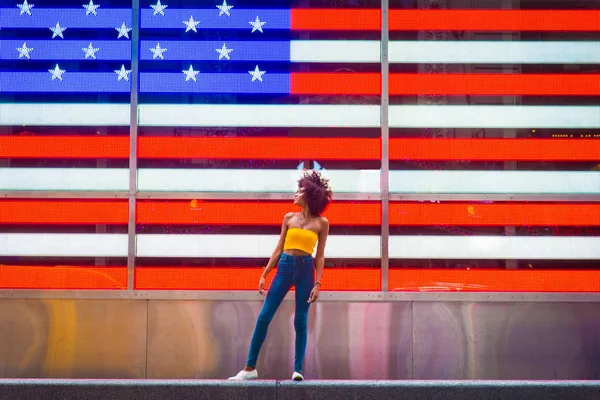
x: 84, y: 50
x: 267, y: 213
x: 493, y: 116
x: 63, y: 245
x: 494, y: 247
x: 64, y: 277
x: 68, y: 17
x: 495, y: 52
x: 286, y: 148
x: 474, y: 280
x: 233, y: 102
x: 247, y: 246
x: 27, y: 212
x: 227, y: 278
x: 64, y: 114
x: 285, y: 181
x: 248, y: 213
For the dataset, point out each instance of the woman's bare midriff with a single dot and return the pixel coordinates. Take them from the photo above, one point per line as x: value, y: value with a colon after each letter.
x: 296, y: 253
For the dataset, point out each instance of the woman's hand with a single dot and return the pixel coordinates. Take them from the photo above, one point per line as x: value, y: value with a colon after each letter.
x: 314, y: 294
x: 261, y: 285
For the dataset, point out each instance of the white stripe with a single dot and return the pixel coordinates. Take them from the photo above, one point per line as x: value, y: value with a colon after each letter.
x: 64, y: 114
x: 329, y: 51
x: 277, y: 181
x: 259, y: 115
x: 338, y: 246
x: 493, y: 182
x: 401, y: 116
x: 67, y: 179
x: 63, y: 245
x: 248, y: 246
x: 494, y: 116
x: 495, y: 52
x: 251, y: 180
x: 494, y: 247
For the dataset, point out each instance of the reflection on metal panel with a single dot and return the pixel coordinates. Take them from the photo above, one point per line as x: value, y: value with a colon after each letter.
x: 207, y: 339
x: 72, y: 339
x: 506, y: 341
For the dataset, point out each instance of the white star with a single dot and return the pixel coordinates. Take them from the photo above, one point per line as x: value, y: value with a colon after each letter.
x: 190, y: 74
x: 257, y: 74
x: 123, y: 31
x: 24, y: 51
x: 25, y: 8
x: 224, y: 9
x: 90, y: 51
x: 57, y: 31
x: 257, y: 25
x: 159, y: 9
x: 123, y: 73
x: 158, y: 52
x: 90, y: 8
x: 224, y: 52
x: 191, y: 24
x: 57, y: 72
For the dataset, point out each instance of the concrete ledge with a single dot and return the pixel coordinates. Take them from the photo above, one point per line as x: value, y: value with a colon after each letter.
x: 439, y: 390
x: 105, y: 389
x: 67, y: 389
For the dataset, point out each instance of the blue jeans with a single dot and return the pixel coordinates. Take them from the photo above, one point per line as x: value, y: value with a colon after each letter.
x: 291, y: 271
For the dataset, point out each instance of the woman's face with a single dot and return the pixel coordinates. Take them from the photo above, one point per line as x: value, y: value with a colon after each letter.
x: 299, y: 197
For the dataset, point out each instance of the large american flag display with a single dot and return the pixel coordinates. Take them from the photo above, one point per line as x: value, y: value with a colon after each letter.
x: 476, y: 169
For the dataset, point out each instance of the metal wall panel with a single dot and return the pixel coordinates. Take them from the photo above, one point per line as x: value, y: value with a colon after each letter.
x: 506, y: 340
x: 210, y: 339
x: 72, y: 338
x: 204, y: 339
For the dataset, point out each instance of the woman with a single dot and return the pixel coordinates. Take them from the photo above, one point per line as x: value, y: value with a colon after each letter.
x: 293, y: 256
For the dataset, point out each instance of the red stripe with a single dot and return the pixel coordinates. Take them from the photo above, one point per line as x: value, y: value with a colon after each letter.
x: 65, y: 277
x: 495, y: 20
x: 335, y: 83
x: 194, y: 212
x: 65, y: 212
x: 449, y: 84
x: 286, y: 148
x: 369, y: 214
x: 495, y: 149
x: 455, y: 20
x: 64, y: 147
x: 496, y: 84
x: 229, y: 148
x: 349, y: 279
x: 478, y: 214
x: 335, y: 20
x: 485, y: 280
x: 248, y: 212
x: 228, y: 278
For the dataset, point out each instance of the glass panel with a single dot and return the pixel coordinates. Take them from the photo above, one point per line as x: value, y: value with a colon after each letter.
x: 239, y: 105
x: 494, y: 98
x: 65, y: 88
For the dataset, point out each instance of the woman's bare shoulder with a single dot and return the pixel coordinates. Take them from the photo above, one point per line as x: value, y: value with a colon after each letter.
x: 288, y: 217
x: 324, y: 223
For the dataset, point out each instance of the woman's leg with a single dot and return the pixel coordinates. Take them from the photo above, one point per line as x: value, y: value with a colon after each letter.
x: 304, y: 285
x: 275, y: 295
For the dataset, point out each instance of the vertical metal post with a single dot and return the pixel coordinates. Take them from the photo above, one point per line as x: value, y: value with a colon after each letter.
x: 385, y: 139
x: 131, y: 243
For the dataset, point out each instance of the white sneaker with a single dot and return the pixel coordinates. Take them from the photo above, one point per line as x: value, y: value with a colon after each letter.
x: 297, y: 376
x: 244, y: 375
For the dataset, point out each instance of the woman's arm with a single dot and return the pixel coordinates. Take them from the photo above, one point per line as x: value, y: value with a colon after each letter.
x: 279, y: 248
x: 320, y: 257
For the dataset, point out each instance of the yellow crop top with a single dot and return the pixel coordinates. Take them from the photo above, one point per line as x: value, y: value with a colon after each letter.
x: 300, y: 239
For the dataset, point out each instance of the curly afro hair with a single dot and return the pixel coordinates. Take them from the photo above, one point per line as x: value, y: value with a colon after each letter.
x: 317, y: 192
